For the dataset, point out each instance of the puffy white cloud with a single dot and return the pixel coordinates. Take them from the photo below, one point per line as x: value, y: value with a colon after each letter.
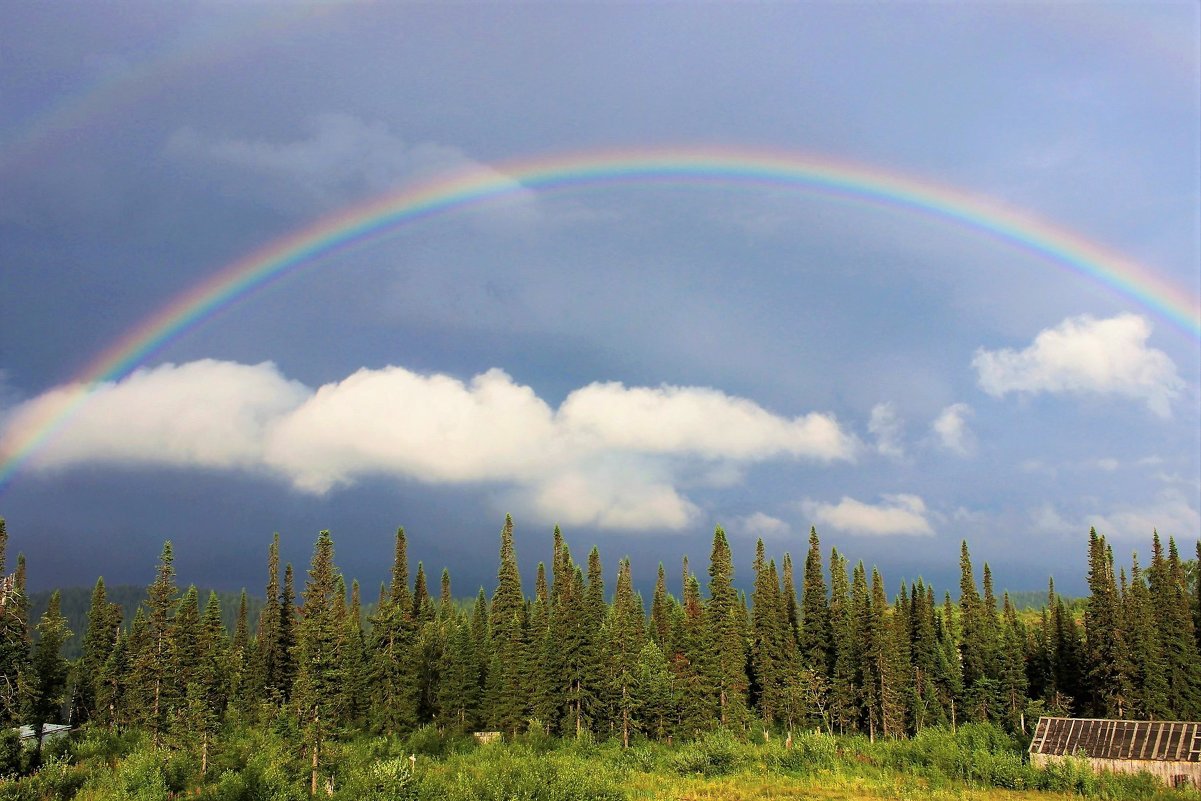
x: 697, y: 421
x: 1085, y: 355
x: 204, y: 414
x: 896, y: 514
x: 952, y: 430
x: 611, y: 456
x: 886, y: 427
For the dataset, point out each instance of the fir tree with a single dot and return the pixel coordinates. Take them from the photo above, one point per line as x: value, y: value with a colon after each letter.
x: 626, y: 636
x: 104, y: 622
x: 508, y: 698
x: 264, y: 681
x: 767, y: 647
x: 392, y: 665
x: 815, y: 629
x: 285, y: 660
x: 656, y: 698
x: 49, y: 670
x: 1107, y: 672
x: 728, y: 666
x: 155, y: 658
x: 318, y: 642
x: 14, y: 636
x: 1148, y: 679
x: 843, y: 702
x: 661, y: 604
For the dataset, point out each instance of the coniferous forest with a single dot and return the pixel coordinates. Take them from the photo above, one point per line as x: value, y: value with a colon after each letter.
x: 818, y: 655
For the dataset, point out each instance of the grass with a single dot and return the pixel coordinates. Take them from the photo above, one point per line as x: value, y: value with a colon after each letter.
x: 972, y: 764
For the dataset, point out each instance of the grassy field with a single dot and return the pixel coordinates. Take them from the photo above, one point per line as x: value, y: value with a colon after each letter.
x: 255, y: 764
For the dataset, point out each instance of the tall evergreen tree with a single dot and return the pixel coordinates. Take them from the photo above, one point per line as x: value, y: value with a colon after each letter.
x: 264, y: 673
x: 508, y: 697
x: 844, y: 702
x: 661, y: 604
x: 1107, y: 671
x: 104, y: 622
x: 14, y: 637
x: 816, y: 648
x: 1148, y: 679
x: 49, y: 670
x: 318, y: 642
x: 1171, y: 603
x: 285, y: 661
x: 155, y: 659
x: 626, y: 636
x: 392, y: 666
x: 728, y: 666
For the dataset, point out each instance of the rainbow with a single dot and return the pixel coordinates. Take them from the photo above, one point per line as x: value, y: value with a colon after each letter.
x: 478, y: 185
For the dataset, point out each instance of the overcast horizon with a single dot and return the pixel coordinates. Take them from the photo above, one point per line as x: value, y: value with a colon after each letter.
x: 636, y: 360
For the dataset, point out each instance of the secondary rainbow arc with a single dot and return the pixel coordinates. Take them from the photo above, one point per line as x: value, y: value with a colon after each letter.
x: 473, y: 186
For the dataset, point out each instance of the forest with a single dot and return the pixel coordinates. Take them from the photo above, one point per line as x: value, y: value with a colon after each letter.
x: 341, y: 691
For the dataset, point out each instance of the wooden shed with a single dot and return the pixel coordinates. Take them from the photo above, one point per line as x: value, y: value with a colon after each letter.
x: 1170, y: 750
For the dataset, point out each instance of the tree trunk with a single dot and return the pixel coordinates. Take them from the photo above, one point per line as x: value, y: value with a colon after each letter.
x: 625, y: 717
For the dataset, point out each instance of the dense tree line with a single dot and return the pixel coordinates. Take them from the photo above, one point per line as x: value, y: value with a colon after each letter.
x: 576, y: 660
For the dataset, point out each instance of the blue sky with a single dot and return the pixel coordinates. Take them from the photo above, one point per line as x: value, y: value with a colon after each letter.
x: 637, y: 362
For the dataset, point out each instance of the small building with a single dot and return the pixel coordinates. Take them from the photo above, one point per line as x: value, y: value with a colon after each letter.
x: 1170, y: 750
x: 27, y: 734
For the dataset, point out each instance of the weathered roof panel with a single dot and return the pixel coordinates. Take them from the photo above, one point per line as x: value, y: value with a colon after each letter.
x: 1162, y: 740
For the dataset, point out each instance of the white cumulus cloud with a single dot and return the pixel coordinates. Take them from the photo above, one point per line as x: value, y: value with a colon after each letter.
x: 894, y: 515
x: 203, y: 414
x: 1085, y: 355
x: 952, y: 430
x: 612, y: 456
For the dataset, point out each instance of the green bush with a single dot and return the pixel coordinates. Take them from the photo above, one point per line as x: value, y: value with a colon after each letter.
x: 380, y: 780
x: 714, y: 754
x: 811, y: 752
x: 517, y: 773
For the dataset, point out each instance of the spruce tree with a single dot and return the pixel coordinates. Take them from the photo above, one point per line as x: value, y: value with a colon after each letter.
x: 264, y: 672
x: 104, y: 621
x: 1171, y: 603
x: 318, y: 642
x: 661, y: 604
x: 508, y: 699
x: 285, y: 663
x: 767, y: 644
x: 655, y: 697
x: 392, y: 664
x: 815, y: 628
x: 728, y: 667
x: 844, y: 703
x: 155, y: 660
x: 354, y: 661
x: 14, y: 638
x: 184, y: 649
x: 1148, y: 677
x: 1107, y: 671
x: 625, y: 636
x: 49, y: 670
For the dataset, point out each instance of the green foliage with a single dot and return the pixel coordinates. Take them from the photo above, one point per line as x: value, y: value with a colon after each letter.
x: 717, y: 753
x: 516, y: 773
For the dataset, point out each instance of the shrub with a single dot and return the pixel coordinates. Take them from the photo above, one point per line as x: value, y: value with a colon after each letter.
x: 516, y: 773
x: 715, y: 754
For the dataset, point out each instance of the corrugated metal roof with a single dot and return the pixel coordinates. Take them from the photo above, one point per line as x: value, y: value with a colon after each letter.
x: 26, y: 732
x: 1163, y: 740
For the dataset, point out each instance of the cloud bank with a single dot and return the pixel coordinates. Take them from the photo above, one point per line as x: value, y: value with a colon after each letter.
x: 1085, y: 355
x: 612, y: 456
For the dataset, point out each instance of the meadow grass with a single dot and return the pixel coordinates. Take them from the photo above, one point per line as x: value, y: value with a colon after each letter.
x: 976, y: 762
